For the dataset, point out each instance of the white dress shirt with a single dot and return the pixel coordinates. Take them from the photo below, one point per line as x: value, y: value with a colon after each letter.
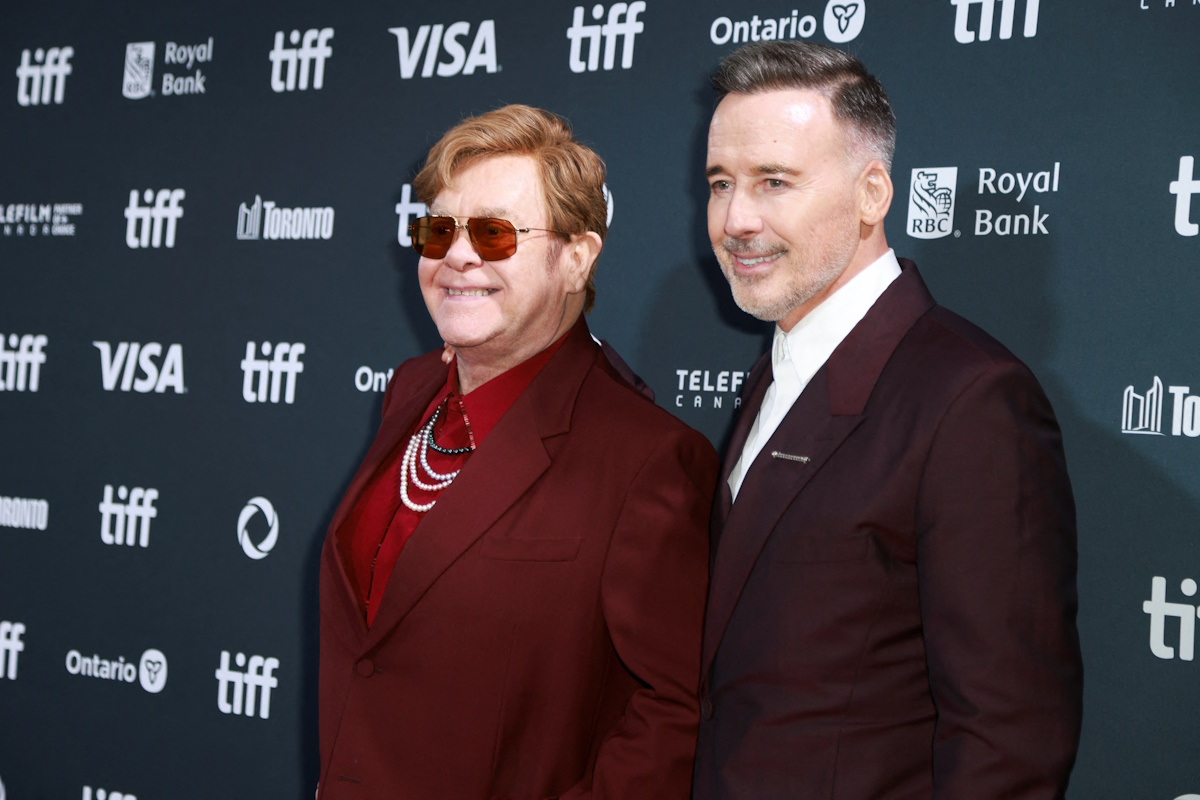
x: 796, y: 355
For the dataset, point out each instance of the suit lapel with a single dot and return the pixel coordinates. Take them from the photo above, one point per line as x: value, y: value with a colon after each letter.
x: 418, y: 388
x: 756, y: 388
x: 496, y: 477
x: 825, y: 414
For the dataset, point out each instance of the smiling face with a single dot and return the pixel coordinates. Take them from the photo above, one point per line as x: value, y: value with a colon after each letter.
x: 783, y: 208
x: 497, y: 314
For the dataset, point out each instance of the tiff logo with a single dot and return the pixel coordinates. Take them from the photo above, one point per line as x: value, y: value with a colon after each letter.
x: 47, y: 73
x: 10, y: 646
x: 1183, y: 188
x: 285, y: 361
x: 615, y: 27
x: 166, y: 209
x: 103, y: 795
x: 20, y: 367
x: 1159, y: 609
x: 119, y: 522
x: 311, y: 55
x: 408, y: 209
x: 131, y: 357
x: 429, y: 39
x: 987, y: 9
x: 258, y: 675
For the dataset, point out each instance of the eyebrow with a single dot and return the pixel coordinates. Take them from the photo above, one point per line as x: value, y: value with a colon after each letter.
x: 494, y: 212
x: 761, y: 169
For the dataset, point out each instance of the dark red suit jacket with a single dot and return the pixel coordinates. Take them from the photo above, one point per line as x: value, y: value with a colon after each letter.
x: 892, y: 610
x: 540, y: 635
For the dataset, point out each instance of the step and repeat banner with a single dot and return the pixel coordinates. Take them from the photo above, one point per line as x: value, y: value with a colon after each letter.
x: 205, y: 284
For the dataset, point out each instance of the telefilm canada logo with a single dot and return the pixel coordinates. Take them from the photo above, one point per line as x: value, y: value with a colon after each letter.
x: 933, y: 191
x: 46, y: 220
x: 619, y: 23
x: 841, y: 22
x: 266, y: 220
x: 42, y: 80
x: 969, y: 27
x: 709, y: 388
x: 139, y: 69
x: 1142, y: 413
x: 256, y: 506
x: 150, y: 672
x: 446, y: 50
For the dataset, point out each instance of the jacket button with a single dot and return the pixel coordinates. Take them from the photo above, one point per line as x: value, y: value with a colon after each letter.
x: 366, y: 668
x: 706, y: 708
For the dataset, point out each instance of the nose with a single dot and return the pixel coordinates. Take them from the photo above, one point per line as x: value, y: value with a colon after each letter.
x: 461, y: 254
x: 742, y: 216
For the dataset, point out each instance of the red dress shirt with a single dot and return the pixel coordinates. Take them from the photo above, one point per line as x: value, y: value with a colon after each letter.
x: 380, y: 524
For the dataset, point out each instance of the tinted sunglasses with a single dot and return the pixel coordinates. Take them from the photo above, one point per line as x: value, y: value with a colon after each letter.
x: 493, y: 239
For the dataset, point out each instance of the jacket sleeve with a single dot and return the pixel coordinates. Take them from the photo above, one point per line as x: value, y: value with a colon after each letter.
x: 996, y: 564
x: 652, y: 593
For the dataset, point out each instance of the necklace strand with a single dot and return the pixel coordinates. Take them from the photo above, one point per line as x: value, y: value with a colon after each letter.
x: 418, y: 451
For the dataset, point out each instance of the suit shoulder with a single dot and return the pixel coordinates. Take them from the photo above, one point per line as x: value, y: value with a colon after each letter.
x: 617, y: 403
x: 960, y: 343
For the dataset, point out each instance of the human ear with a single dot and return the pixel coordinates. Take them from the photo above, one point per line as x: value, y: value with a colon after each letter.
x: 874, y: 193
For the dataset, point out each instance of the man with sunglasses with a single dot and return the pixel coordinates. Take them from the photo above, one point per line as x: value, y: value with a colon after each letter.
x: 512, y: 589
x: 892, y: 608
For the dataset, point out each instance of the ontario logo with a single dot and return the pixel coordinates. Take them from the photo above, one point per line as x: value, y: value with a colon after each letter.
x: 931, y: 202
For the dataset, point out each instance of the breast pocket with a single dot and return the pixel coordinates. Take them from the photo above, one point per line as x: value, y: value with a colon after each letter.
x: 528, y: 548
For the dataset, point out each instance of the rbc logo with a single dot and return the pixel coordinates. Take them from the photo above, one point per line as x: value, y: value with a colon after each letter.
x: 1183, y: 188
x: 10, y: 647
x: 286, y: 360
x: 987, y: 10
x: 20, y: 367
x: 119, y: 521
x: 313, y: 51
x: 429, y: 39
x: 614, y: 28
x: 1159, y: 609
x: 258, y: 675
x: 48, y: 73
x: 132, y: 356
x: 931, y: 202
x: 150, y: 219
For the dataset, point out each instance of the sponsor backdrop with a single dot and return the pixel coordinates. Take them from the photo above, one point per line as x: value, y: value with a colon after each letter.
x: 205, y: 285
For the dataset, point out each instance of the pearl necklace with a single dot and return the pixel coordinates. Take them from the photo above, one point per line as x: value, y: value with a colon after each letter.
x: 418, y: 451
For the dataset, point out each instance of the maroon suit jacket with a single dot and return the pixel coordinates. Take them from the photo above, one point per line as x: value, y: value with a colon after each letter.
x: 892, y: 612
x: 540, y: 635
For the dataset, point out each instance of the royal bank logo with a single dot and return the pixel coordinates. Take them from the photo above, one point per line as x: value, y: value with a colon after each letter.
x: 969, y: 28
x: 621, y: 24
x: 1143, y: 413
x: 266, y: 220
x: 249, y: 685
x: 24, y: 512
x: 1159, y: 609
x: 841, y: 22
x: 39, y: 219
x: 1184, y: 187
x: 139, y: 68
x: 707, y: 388
x: 21, y: 363
x: 104, y: 794
x: 931, y: 202
x: 266, y: 543
x: 263, y: 379
x: 146, y: 225
x: 126, y: 519
x: 141, y: 368
x: 150, y: 672
x: 293, y: 67
x: 11, y: 647
x: 44, y: 79
x: 442, y: 49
